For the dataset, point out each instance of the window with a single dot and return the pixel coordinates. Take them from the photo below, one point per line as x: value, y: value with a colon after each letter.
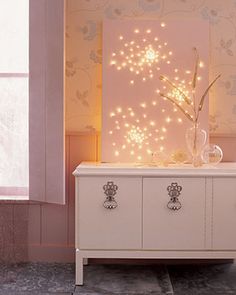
x: 14, y: 72
x: 32, y: 100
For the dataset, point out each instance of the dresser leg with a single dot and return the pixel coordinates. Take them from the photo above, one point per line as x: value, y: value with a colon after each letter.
x: 79, y: 269
x: 85, y: 261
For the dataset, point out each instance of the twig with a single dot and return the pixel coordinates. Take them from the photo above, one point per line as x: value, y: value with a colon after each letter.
x: 178, y: 106
x: 205, y: 93
x: 194, y: 81
x: 186, y: 99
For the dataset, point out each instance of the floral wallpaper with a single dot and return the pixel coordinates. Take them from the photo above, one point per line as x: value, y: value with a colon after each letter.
x: 84, y: 54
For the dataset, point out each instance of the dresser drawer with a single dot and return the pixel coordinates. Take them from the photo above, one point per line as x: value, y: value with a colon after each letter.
x: 224, y: 213
x: 103, y: 228
x: 174, y: 228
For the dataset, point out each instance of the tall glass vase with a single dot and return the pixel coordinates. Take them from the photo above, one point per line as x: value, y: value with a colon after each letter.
x: 196, y: 139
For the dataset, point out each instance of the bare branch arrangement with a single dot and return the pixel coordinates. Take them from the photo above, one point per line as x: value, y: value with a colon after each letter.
x: 190, y: 101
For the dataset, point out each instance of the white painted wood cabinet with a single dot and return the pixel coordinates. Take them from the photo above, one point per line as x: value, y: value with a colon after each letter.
x: 224, y: 214
x: 134, y: 211
x: 103, y: 228
x: 166, y: 229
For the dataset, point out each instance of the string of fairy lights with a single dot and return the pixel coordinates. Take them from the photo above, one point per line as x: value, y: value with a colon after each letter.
x: 143, y: 57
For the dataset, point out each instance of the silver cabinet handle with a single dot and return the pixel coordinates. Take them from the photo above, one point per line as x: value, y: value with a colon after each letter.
x: 110, y: 191
x: 174, y: 191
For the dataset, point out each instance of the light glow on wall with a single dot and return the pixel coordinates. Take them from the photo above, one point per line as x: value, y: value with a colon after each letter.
x: 139, y: 133
x: 141, y: 55
x: 137, y: 121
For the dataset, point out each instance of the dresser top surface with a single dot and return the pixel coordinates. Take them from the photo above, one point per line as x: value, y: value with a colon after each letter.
x: 139, y: 169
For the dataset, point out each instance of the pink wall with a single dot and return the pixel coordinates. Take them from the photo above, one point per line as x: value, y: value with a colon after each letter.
x: 45, y: 232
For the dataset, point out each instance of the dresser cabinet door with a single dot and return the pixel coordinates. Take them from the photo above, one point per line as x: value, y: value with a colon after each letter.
x: 103, y: 228
x: 166, y: 225
x: 224, y: 214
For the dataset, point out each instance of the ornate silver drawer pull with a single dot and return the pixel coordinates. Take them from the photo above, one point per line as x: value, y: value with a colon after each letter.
x: 110, y: 191
x: 174, y: 191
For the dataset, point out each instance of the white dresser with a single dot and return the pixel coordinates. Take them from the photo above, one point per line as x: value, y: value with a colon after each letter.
x: 135, y: 211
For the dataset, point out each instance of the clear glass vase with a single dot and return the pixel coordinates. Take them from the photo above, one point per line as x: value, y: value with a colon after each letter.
x: 196, y: 139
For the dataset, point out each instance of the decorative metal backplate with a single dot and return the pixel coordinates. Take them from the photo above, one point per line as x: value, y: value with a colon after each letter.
x: 110, y: 191
x: 174, y: 191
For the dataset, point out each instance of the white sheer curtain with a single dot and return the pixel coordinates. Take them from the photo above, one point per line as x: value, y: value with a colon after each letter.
x: 14, y: 69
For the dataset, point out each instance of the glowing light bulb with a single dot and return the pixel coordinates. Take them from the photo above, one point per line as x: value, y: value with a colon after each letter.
x: 163, y: 25
x: 143, y: 105
x: 163, y: 129
x: 117, y: 153
x: 136, y: 31
x: 132, y: 82
x: 154, y: 103
x: 113, y: 62
x: 201, y: 64
x: 152, y: 123
x: 148, y: 31
x: 121, y: 37
x: 180, y: 120
x: 119, y: 110
x: 135, y: 135
x: 150, y: 55
x: 112, y: 114
x: 168, y: 119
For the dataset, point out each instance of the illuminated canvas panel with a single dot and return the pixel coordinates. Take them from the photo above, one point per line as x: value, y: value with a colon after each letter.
x: 136, y: 120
